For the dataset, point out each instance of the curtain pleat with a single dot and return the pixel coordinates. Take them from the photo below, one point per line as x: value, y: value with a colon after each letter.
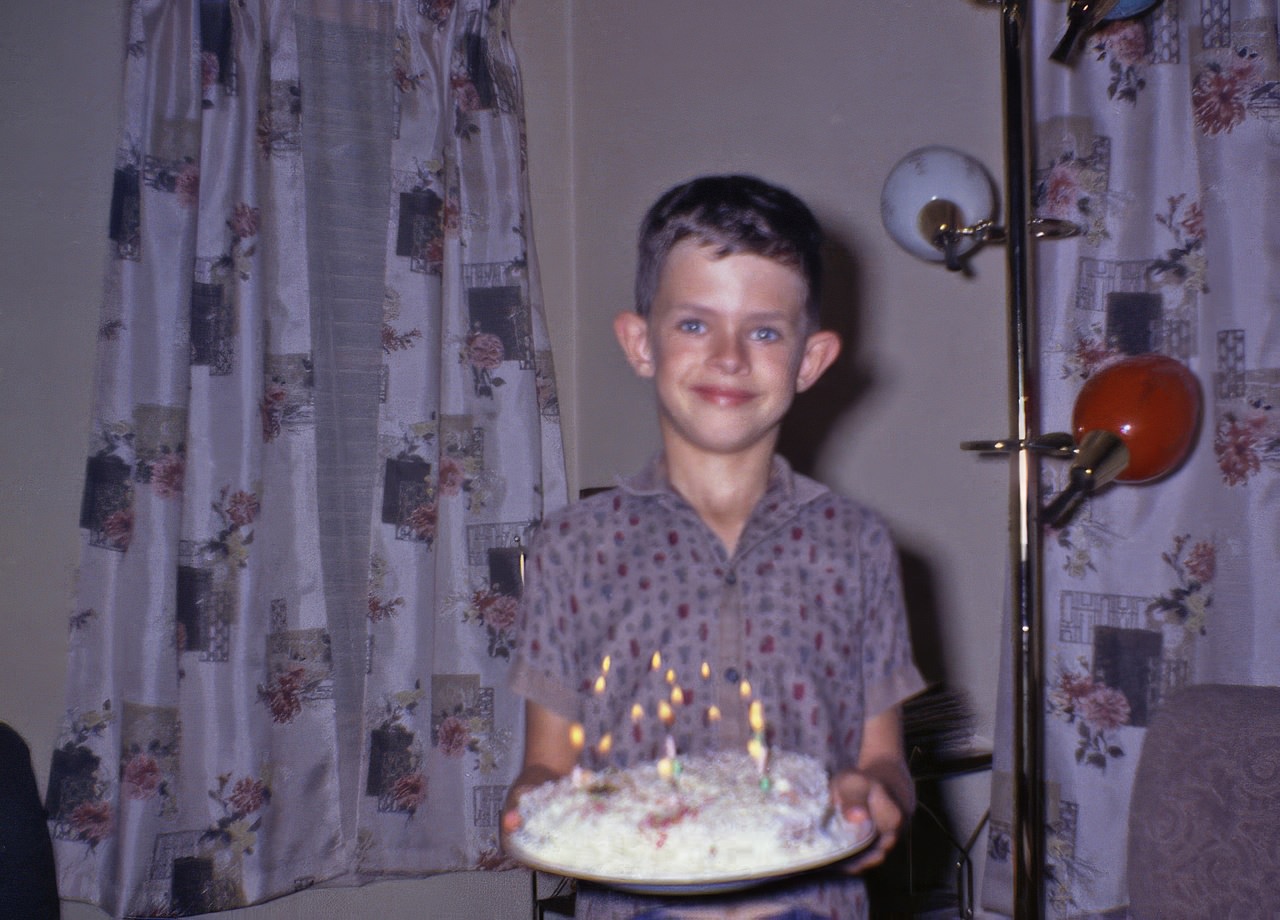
x: 324, y: 427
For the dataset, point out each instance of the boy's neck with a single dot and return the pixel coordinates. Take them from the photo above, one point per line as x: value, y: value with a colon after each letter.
x: 723, y: 488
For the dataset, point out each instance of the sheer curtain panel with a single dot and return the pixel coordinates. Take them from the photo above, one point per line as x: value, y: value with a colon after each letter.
x: 1163, y: 142
x: 324, y: 425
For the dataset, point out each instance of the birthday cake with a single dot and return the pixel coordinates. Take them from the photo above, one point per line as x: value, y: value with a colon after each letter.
x: 704, y: 818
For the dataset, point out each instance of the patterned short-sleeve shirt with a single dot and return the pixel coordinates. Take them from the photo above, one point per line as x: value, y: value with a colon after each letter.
x: 629, y: 595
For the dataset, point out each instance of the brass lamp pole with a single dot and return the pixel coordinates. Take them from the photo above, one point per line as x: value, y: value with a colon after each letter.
x: 1028, y: 817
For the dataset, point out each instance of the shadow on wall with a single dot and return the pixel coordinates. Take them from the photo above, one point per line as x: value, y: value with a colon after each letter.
x: 847, y: 381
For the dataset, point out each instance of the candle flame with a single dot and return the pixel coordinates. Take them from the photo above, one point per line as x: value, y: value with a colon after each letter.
x: 755, y: 715
x: 706, y: 670
x: 744, y: 689
x: 677, y: 696
x: 656, y: 661
x: 637, y: 712
x: 671, y: 675
x: 605, y: 745
x: 600, y: 684
x: 755, y: 748
x: 604, y: 665
x: 666, y: 713
x: 713, y: 713
x: 666, y: 768
x: 577, y: 736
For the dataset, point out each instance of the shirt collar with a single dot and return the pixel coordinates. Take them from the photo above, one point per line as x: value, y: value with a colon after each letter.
x: 786, y: 487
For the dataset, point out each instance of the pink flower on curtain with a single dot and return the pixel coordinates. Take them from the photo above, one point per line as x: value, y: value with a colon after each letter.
x: 453, y: 736
x: 118, y: 528
x: 1236, y: 445
x: 1187, y: 604
x: 142, y: 777
x: 244, y: 221
x: 167, y: 474
x: 92, y: 822
x: 393, y: 341
x: 241, y: 508
x: 484, y: 351
x: 1218, y: 96
x: 422, y: 521
x: 452, y: 476
x: 1105, y: 708
x: 1062, y: 191
x: 1125, y: 41
x: 272, y: 411
x: 1095, y: 709
x: 249, y: 795
x: 1202, y: 562
x: 210, y: 69
x: 465, y: 93
x: 1193, y: 223
x: 436, y: 10
x: 283, y: 695
x: 497, y: 611
x: 187, y: 184
x: 1089, y: 356
x: 409, y: 792
x: 383, y: 610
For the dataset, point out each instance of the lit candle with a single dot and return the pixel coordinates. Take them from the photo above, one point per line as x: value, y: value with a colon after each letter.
x: 656, y: 661
x: 677, y: 696
x: 605, y: 745
x: 637, y: 712
x: 744, y: 689
x: 713, y: 713
x: 599, y: 687
x: 668, y: 764
x: 706, y: 670
x: 668, y: 717
x: 756, y: 747
x: 666, y: 713
x: 577, y: 737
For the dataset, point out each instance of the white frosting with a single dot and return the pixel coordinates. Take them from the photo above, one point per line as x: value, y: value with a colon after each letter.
x: 711, y: 820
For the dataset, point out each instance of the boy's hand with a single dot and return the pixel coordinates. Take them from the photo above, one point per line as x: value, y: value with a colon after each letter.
x: 861, y: 797
x: 530, y: 777
x: 548, y: 754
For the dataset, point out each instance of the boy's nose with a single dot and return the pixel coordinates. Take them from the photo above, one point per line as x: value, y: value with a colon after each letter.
x: 729, y: 354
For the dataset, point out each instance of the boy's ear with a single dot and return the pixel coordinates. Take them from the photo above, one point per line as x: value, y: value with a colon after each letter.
x: 820, y: 351
x: 632, y: 331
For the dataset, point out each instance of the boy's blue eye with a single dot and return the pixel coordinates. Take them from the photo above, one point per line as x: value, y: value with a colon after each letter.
x: 691, y: 325
x: 766, y: 334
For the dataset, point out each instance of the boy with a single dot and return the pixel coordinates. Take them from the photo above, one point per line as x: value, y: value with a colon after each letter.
x: 718, y: 553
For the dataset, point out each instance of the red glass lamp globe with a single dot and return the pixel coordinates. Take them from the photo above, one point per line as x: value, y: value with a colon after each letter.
x: 1151, y: 402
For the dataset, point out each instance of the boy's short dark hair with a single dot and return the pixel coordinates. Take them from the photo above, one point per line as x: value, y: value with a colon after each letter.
x: 732, y: 214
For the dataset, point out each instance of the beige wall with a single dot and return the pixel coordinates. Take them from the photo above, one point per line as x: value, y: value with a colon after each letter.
x: 624, y: 98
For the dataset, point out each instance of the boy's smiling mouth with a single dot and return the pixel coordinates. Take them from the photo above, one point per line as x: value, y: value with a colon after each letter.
x: 728, y: 397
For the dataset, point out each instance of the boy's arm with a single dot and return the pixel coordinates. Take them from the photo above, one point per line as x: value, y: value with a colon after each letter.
x: 548, y: 755
x: 880, y: 788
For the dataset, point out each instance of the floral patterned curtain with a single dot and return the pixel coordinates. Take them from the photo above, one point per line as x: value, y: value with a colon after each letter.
x: 1161, y: 141
x: 325, y: 423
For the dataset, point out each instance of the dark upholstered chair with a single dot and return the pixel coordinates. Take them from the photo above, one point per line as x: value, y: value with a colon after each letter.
x: 1204, y: 823
x: 28, y: 888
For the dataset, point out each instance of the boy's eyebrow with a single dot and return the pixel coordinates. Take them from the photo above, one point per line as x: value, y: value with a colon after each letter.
x: 765, y: 315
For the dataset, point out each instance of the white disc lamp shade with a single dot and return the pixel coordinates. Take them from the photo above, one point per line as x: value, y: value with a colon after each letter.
x: 935, y: 174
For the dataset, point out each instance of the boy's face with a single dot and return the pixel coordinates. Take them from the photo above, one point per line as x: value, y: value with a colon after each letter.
x: 728, y: 343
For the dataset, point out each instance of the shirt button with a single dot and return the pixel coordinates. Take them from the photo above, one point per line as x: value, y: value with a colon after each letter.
x: 731, y: 675
x: 731, y: 578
